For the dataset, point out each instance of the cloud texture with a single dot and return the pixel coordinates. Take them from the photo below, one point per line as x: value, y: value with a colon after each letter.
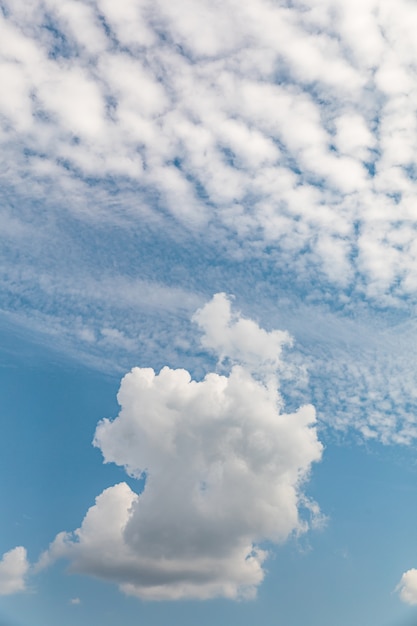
x: 284, y: 126
x: 224, y: 466
x: 280, y: 135
x: 145, y: 145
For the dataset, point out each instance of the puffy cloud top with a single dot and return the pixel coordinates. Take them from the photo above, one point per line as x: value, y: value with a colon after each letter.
x: 407, y: 587
x: 13, y: 569
x: 231, y: 336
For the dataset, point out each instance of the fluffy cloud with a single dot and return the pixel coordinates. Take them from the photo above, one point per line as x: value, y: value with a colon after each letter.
x: 13, y: 569
x: 241, y: 340
x: 224, y: 470
x: 279, y: 124
x: 407, y: 587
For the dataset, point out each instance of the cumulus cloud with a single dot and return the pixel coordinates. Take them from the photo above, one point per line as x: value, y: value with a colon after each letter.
x: 224, y: 469
x: 407, y: 587
x: 14, y: 567
x: 241, y: 340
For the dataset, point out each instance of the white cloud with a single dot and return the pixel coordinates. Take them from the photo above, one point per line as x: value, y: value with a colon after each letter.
x: 407, y: 587
x: 283, y: 135
x: 225, y: 469
x: 353, y: 136
x: 128, y: 20
x: 71, y: 95
x: 13, y: 569
x: 192, y: 103
x: 81, y: 24
x: 241, y: 340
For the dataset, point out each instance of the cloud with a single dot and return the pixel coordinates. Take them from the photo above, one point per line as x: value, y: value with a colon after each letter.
x: 407, y: 587
x: 360, y: 375
x: 224, y: 469
x: 266, y: 123
x: 13, y: 569
x: 144, y: 140
x: 241, y: 340
x: 356, y: 372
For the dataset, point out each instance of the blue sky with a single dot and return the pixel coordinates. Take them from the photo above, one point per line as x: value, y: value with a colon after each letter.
x: 207, y: 312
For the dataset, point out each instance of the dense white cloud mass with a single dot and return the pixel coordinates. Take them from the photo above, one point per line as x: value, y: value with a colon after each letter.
x: 407, y: 587
x: 286, y: 125
x: 13, y: 569
x: 225, y: 469
x: 238, y: 339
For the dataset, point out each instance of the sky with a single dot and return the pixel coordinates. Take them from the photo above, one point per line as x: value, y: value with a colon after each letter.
x: 207, y: 312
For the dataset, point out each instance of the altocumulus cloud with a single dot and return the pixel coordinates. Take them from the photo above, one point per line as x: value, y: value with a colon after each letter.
x: 284, y: 124
x: 224, y: 469
x: 282, y: 134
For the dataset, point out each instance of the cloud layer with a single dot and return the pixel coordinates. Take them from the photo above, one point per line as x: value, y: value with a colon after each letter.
x: 150, y: 154
x: 282, y: 127
x: 224, y: 467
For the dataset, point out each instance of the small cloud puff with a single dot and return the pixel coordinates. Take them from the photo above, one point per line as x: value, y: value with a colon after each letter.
x: 407, y: 587
x: 13, y: 569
